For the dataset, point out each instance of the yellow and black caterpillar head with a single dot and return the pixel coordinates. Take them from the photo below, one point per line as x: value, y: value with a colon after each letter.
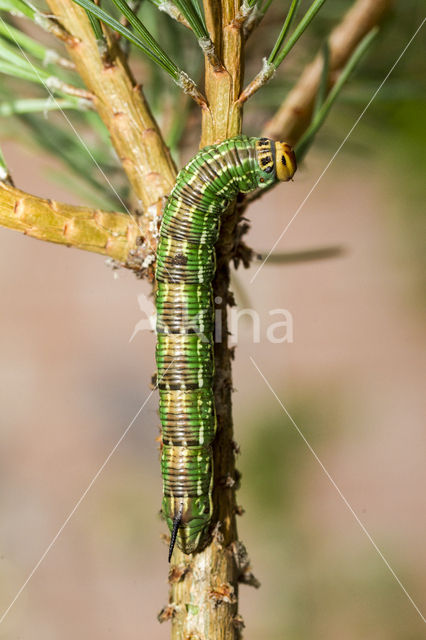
x: 276, y: 160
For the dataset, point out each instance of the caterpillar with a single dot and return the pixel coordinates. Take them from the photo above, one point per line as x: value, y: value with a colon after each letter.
x: 184, y: 302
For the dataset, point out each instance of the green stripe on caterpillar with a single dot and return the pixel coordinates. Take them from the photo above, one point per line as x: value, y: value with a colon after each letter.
x: 185, y: 321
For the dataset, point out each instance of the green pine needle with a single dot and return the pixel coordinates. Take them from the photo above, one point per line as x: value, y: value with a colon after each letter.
x: 4, y: 172
x: 14, y: 64
x: 25, y: 43
x: 39, y: 105
x: 28, y: 44
x: 141, y: 38
x: 319, y: 118
x: 193, y: 17
x: 265, y: 6
x: 23, y: 73
x: 197, y: 8
x: 18, y: 7
x: 298, y: 31
x: 96, y: 26
x: 323, y: 85
x: 286, y: 26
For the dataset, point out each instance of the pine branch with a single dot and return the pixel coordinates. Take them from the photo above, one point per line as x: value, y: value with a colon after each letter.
x: 223, y: 118
x: 209, y: 580
x: 294, y: 115
x: 125, y: 112
x: 141, y: 37
x: 111, y: 234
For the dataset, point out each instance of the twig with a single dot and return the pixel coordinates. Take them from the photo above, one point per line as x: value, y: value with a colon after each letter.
x: 52, y: 26
x: 209, y: 51
x: 123, y: 108
x: 190, y: 88
x: 65, y: 63
x: 292, y: 257
x: 265, y: 74
x: 111, y: 234
x: 55, y: 84
x: 294, y: 115
x: 168, y: 7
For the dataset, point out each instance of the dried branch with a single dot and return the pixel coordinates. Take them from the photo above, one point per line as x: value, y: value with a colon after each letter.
x: 294, y: 115
x: 111, y: 234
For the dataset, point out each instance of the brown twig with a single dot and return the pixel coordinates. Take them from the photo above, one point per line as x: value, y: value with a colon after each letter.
x: 64, y: 63
x: 71, y: 90
x: 52, y: 26
x: 293, y: 117
x: 209, y: 51
x: 111, y: 234
x: 307, y: 255
x: 265, y: 74
x: 173, y: 12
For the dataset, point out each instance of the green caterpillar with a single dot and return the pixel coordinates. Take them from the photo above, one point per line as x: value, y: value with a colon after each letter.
x: 184, y: 301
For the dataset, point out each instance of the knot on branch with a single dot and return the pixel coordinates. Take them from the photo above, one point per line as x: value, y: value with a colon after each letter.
x: 242, y: 562
x: 178, y: 572
x: 167, y: 613
x: 223, y: 593
x: 190, y: 88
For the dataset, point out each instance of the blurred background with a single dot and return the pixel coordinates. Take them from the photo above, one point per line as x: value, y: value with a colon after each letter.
x: 71, y: 381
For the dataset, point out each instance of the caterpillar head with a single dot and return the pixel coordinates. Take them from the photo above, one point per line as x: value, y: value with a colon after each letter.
x: 276, y: 160
x: 285, y: 161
